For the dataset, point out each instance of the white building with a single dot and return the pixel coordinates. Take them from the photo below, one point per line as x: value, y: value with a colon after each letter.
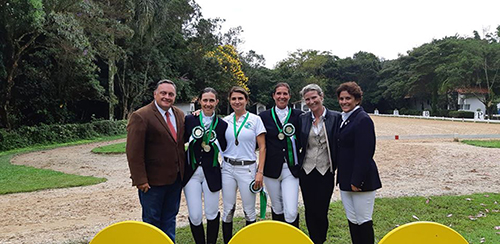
x: 468, y: 99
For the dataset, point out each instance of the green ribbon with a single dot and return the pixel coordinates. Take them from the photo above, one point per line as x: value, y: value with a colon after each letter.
x: 216, y: 155
x: 211, y: 127
x: 241, y: 126
x: 288, y: 140
x: 263, y: 204
x: 206, y: 138
x: 263, y: 198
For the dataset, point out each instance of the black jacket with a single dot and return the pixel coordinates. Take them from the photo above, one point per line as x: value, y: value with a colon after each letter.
x: 277, y: 150
x: 356, y: 147
x: 212, y: 174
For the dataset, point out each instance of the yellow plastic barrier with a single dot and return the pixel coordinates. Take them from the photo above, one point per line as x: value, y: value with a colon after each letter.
x: 423, y: 232
x: 131, y: 232
x: 270, y: 232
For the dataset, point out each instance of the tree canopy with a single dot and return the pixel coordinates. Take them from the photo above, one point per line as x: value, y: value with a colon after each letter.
x: 73, y: 61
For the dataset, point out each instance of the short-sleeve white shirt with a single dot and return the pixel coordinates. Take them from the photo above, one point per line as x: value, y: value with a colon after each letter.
x: 247, y: 138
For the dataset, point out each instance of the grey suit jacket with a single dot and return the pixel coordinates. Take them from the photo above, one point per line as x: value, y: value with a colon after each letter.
x: 332, y: 122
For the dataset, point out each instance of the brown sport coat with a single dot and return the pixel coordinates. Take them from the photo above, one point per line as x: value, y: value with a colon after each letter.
x: 153, y: 155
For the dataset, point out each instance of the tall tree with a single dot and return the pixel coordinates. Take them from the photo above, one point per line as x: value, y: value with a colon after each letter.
x: 104, y: 24
x: 21, y: 23
x: 475, y: 67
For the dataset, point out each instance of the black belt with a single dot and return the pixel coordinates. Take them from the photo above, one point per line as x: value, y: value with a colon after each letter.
x: 238, y: 162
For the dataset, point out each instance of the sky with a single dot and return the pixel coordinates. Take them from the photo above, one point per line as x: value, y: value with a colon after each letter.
x: 386, y: 28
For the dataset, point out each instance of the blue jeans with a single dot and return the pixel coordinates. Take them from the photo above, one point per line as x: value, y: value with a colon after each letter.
x: 160, y: 206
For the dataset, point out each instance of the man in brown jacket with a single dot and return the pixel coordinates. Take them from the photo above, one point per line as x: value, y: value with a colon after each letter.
x: 155, y: 154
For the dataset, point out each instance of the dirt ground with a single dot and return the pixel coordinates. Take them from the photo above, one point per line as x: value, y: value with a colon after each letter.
x: 422, y: 167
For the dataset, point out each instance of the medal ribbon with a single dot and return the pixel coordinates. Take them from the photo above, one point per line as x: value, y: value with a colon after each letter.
x: 263, y: 198
x: 288, y: 141
x: 263, y: 204
x: 211, y: 127
x: 207, y: 139
x: 241, y: 126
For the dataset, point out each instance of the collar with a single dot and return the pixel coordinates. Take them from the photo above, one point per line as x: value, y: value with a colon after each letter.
x: 242, y: 117
x: 162, y: 112
x: 279, y: 110
x: 204, y: 116
x: 322, y: 115
x: 345, y: 115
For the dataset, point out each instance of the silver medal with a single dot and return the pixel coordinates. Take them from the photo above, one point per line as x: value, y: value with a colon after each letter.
x: 281, y: 136
x: 206, y: 148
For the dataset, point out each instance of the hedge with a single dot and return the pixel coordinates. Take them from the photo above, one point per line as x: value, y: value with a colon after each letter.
x: 462, y: 114
x: 49, y: 134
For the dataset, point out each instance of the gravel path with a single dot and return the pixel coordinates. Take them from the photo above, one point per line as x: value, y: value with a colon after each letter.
x: 421, y: 167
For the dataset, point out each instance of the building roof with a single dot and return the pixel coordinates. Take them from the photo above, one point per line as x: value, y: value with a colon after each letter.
x: 470, y: 90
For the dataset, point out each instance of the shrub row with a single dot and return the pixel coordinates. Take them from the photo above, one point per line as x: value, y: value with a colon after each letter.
x: 50, y: 134
x: 461, y: 114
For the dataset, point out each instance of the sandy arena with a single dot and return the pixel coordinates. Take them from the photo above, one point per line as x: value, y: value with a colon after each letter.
x: 421, y: 167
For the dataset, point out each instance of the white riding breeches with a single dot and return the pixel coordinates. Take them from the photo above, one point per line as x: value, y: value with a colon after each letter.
x: 284, y: 193
x: 236, y: 177
x: 195, y: 189
x: 358, y: 205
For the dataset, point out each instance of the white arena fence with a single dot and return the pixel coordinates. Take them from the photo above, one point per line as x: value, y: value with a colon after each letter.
x: 488, y: 121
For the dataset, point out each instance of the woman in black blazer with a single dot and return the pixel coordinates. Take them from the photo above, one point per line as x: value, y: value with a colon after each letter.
x: 318, y: 129
x: 357, y: 172
x: 206, y: 136
x: 281, y: 170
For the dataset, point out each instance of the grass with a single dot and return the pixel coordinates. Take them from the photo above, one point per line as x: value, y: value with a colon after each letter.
x: 483, y: 143
x: 20, y: 178
x: 473, y: 216
x: 116, y: 148
x: 476, y: 216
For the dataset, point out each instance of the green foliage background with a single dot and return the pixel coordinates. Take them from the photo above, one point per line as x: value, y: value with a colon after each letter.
x: 70, y: 61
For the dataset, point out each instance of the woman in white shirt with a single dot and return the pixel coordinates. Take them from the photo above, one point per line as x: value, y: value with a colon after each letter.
x: 239, y: 168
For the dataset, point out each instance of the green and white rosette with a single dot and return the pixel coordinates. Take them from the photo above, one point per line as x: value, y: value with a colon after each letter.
x: 209, y: 137
x: 263, y: 198
x: 289, y: 132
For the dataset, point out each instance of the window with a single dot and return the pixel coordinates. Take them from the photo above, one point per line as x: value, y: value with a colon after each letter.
x: 464, y: 107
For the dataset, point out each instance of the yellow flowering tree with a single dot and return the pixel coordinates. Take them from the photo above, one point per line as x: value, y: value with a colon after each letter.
x: 226, y: 67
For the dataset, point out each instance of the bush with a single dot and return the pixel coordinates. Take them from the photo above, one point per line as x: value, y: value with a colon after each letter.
x: 49, y: 134
x: 461, y: 114
x: 405, y: 111
x: 441, y: 113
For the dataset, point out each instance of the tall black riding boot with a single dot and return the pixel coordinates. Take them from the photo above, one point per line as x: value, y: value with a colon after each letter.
x: 296, y: 222
x: 227, y: 231
x: 355, y: 234
x: 249, y: 222
x: 366, y: 232
x: 213, y: 229
x: 278, y: 217
x: 198, y: 233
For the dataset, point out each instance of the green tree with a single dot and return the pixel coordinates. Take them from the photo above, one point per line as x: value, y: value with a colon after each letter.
x: 104, y: 24
x: 363, y: 68
x: 475, y: 64
x: 21, y: 23
x: 152, y: 53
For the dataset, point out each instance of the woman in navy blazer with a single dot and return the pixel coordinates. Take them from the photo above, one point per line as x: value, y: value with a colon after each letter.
x: 357, y: 172
x: 202, y: 175
x: 281, y: 170
x: 317, y: 136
